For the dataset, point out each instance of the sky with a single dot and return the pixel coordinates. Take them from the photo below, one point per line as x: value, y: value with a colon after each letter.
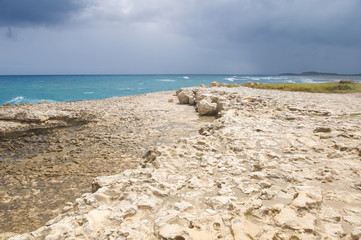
x: 179, y: 36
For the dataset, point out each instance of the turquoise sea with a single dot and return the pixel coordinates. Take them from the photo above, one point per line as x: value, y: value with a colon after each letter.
x: 59, y: 88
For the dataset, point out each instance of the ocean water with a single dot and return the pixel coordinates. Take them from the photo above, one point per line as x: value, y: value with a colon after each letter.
x: 60, y: 88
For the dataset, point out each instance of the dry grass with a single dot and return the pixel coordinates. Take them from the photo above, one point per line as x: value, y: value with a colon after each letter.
x: 332, y: 87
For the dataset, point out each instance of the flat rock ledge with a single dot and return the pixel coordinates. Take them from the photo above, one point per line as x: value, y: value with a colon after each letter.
x: 260, y: 171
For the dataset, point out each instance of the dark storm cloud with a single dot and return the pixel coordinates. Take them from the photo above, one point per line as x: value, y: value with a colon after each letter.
x: 23, y: 13
x: 279, y: 35
x: 194, y: 36
x: 306, y: 21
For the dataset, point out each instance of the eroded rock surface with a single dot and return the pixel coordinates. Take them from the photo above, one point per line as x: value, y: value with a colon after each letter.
x: 51, y: 152
x: 259, y: 171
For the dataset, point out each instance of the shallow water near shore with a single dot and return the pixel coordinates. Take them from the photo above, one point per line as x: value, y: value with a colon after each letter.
x: 62, y: 88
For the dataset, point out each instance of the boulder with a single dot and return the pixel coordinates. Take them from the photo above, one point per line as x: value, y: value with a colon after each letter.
x: 206, y: 107
x: 183, y: 98
x: 214, y: 84
x: 192, y: 100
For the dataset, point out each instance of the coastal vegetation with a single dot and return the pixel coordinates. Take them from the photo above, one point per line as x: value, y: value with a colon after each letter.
x: 312, y: 73
x: 344, y: 86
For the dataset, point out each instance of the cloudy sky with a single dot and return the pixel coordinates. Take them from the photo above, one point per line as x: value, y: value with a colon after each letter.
x: 179, y: 36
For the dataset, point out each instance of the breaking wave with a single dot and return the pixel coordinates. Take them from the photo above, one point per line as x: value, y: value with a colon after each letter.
x: 21, y: 99
x: 124, y: 89
x: 18, y: 99
x: 166, y: 80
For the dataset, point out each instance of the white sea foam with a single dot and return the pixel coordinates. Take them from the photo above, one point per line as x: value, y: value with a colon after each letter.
x: 41, y: 100
x: 124, y: 89
x: 267, y: 78
x: 21, y: 99
x: 307, y: 80
x: 88, y: 92
x: 231, y: 79
x: 166, y: 80
x: 18, y: 99
x: 186, y: 77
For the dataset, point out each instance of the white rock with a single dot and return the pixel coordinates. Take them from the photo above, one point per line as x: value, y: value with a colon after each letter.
x: 288, y: 218
x: 206, y: 107
x: 334, y: 230
x: 356, y: 233
x: 308, y: 197
x: 354, y: 220
x: 330, y: 215
x: 183, y: 97
x: 244, y: 229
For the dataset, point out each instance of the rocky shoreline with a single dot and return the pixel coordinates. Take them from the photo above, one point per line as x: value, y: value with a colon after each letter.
x: 51, y: 152
x: 274, y: 165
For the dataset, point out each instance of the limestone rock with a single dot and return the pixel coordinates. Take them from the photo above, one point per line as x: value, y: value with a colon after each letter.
x: 288, y: 218
x: 330, y: 215
x: 247, y: 175
x: 334, y: 230
x: 356, y: 233
x: 206, y: 107
x: 214, y: 84
x: 183, y: 97
x: 307, y: 197
x: 244, y: 229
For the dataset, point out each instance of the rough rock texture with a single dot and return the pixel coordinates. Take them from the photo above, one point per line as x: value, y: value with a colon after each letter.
x: 259, y: 171
x: 50, y: 152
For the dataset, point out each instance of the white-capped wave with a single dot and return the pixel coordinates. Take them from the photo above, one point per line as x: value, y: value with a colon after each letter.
x: 21, y: 99
x: 231, y: 79
x: 267, y: 78
x: 14, y: 100
x: 307, y: 80
x: 124, y: 89
x: 88, y: 92
x: 166, y: 80
x: 186, y: 77
x: 41, y: 100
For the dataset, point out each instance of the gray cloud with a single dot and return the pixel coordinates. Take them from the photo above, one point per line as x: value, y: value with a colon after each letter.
x: 10, y: 34
x: 306, y: 21
x: 193, y: 36
x: 23, y: 13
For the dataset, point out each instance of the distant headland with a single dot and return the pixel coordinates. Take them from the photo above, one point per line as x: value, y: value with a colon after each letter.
x: 311, y: 73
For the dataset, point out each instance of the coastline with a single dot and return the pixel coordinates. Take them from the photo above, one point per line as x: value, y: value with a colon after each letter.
x: 273, y: 164
x: 62, y: 88
x: 50, y: 152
